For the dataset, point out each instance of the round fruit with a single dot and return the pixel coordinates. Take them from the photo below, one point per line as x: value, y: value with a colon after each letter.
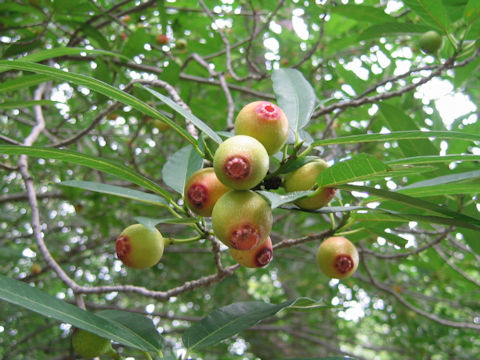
x: 181, y: 44
x: 242, y: 219
x: 160, y: 125
x: 337, y: 257
x: 241, y: 162
x: 162, y: 39
x: 256, y: 257
x: 430, y: 42
x: 265, y: 122
x: 202, y: 191
x: 89, y: 345
x: 304, y: 179
x: 139, y: 247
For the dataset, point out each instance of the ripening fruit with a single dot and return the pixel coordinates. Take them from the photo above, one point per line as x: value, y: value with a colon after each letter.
x: 162, y: 39
x: 139, y: 247
x: 264, y: 121
x: 242, y: 219
x: 35, y: 269
x: 202, y: 191
x: 430, y: 42
x: 89, y: 345
x: 181, y: 44
x: 160, y: 125
x: 257, y: 257
x: 337, y: 257
x: 241, y: 162
x: 304, y: 179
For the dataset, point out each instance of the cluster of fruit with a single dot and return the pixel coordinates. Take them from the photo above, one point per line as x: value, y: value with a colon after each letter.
x: 241, y: 218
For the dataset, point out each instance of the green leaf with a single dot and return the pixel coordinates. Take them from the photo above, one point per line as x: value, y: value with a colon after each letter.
x: 228, y: 321
x: 359, y: 167
x: 101, y: 164
x: 415, y: 202
x: 396, y: 136
x: 21, y: 294
x: 397, y: 120
x: 188, y: 115
x: 135, y: 43
x: 102, y: 88
x: 392, y: 29
x: 57, y: 52
x: 295, y: 96
x: 430, y: 159
x: 117, y: 191
x: 442, y: 190
x: 472, y: 11
x: 25, y: 103
x: 432, y: 12
x: 22, y: 82
x: 444, y: 179
x: 324, y: 358
x: 362, y: 13
x: 180, y: 166
x: 277, y: 200
x: 136, y: 323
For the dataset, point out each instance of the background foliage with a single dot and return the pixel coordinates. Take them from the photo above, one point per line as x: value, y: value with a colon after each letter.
x: 82, y: 81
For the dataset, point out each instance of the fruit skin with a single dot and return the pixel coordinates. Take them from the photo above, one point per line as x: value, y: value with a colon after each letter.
x: 89, y: 345
x: 202, y: 191
x: 241, y: 162
x: 181, y: 44
x: 257, y: 257
x: 264, y: 121
x: 304, y: 179
x: 430, y: 42
x: 139, y: 247
x: 337, y: 257
x: 242, y: 219
x: 162, y: 39
x: 160, y: 125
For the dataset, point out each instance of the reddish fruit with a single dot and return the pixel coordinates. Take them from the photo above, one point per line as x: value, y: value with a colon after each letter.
x: 202, y: 191
x: 126, y: 18
x: 162, y: 39
x: 35, y: 269
x: 242, y: 219
x: 139, y: 247
x: 337, y: 257
x: 89, y: 345
x: 124, y: 36
x: 241, y: 162
x: 264, y: 121
x: 256, y: 257
x: 304, y: 179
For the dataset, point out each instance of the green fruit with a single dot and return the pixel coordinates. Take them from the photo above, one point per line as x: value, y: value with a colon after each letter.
x: 430, y: 42
x: 242, y: 219
x: 241, y: 162
x: 202, y: 191
x: 139, y: 247
x: 181, y: 44
x: 304, y: 179
x: 160, y: 125
x: 89, y: 345
x: 257, y: 257
x: 337, y: 257
x: 265, y: 122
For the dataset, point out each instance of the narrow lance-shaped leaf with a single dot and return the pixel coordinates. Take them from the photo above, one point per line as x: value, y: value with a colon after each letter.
x: 102, y: 88
x: 277, y: 200
x: 25, y: 103
x: 414, y: 202
x: 57, y: 52
x: 188, y: 115
x: 295, y: 96
x: 179, y: 167
x: 431, y: 11
x: 398, y: 135
x: 117, y: 191
x: 107, y: 166
x: 359, y: 167
x: 228, y: 321
x: 21, y: 294
x: 430, y: 159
